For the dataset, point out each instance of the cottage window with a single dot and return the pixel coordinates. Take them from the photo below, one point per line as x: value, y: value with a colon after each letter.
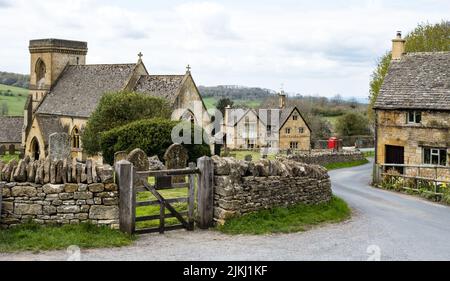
x: 301, y: 130
x: 288, y: 131
x: 414, y: 117
x: 295, y: 117
x: 435, y: 156
x: 293, y: 145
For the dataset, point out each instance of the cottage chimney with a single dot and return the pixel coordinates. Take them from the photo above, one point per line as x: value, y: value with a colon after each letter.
x: 282, y: 100
x: 398, y: 46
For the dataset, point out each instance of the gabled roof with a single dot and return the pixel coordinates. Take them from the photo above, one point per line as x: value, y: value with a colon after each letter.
x: 49, y: 125
x: 80, y: 88
x: 284, y: 115
x: 11, y: 129
x: 162, y: 86
x: 417, y: 81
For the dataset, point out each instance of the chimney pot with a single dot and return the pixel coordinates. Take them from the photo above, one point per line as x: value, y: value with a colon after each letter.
x: 398, y: 46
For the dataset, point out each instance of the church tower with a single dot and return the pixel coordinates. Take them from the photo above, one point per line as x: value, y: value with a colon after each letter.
x: 49, y: 57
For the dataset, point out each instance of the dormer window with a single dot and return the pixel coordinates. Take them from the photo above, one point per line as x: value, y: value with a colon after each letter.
x: 414, y: 117
x: 295, y: 117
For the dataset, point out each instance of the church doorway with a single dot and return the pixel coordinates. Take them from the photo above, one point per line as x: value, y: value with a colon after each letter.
x: 35, y: 149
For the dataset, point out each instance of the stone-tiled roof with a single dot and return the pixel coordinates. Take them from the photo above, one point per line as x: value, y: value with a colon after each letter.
x: 80, y: 88
x: 163, y: 86
x: 417, y: 81
x: 11, y: 129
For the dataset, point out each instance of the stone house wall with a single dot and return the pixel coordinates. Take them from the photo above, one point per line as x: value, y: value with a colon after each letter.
x: 241, y: 187
x: 323, y: 157
x: 433, y: 131
x: 303, y: 139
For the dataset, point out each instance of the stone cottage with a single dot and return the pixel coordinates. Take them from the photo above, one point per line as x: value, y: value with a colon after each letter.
x: 278, y: 128
x: 64, y: 91
x: 413, y: 109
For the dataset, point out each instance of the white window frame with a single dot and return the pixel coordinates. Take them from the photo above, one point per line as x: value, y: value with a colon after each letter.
x: 436, y: 152
x: 414, y: 113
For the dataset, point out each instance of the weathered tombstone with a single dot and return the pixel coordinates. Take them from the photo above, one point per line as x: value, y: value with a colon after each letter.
x: 119, y: 156
x: 12, y: 149
x: 155, y: 164
x: 59, y: 146
x: 176, y: 157
x: 140, y: 162
x: 248, y: 158
x: 2, y: 150
x: 59, y: 172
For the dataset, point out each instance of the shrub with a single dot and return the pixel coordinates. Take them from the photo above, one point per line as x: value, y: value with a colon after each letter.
x: 151, y: 135
x: 117, y: 109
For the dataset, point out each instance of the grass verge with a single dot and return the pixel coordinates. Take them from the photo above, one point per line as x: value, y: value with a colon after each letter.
x: 295, y: 218
x: 341, y: 165
x: 34, y: 237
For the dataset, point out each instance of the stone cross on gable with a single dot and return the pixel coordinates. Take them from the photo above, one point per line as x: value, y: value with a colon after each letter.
x: 188, y: 68
x: 140, y: 55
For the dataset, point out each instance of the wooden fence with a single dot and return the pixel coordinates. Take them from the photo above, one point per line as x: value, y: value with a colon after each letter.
x: 131, y: 181
x: 415, y: 178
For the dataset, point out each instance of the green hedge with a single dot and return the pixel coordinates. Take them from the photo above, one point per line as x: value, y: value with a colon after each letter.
x: 151, y: 135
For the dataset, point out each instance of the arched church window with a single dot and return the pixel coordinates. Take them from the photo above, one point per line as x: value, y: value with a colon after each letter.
x: 34, y: 149
x: 40, y: 73
x: 75, y: 138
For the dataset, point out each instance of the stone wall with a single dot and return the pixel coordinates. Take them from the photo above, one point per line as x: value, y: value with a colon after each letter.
x: 69, y: 203
x: 323, y: 157
x: 58, y: 192
x: 241, y: 187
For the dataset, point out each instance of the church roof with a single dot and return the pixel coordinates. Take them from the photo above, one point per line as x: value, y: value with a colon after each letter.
x: 11, y: 129
x: 50, y: 125
x: 162, y: 86
x: 80, y: 88
x: 417, y: 81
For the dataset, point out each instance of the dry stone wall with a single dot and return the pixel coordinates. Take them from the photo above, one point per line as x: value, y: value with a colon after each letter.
x: 241, y: 187
x: 324, y: 157
x: 58, y: 192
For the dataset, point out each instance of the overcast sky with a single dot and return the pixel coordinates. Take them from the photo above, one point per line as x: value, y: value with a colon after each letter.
x: 312, y: 47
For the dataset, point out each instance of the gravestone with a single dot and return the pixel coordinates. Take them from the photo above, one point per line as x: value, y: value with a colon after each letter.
x: 59, y: 146
x: 12, y: 149
x: 2, y: 150
x: 139, y: 160
x: 176, y: 157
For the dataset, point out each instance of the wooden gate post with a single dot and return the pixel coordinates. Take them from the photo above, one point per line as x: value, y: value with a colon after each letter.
x: 127, y: 196
x: 205, y: 193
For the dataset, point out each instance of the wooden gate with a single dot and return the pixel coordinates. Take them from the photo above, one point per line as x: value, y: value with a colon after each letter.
x: 131, y: 182
x: 164, y: 180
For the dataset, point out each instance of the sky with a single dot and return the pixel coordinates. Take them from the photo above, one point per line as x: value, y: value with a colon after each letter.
x: 307, y: 47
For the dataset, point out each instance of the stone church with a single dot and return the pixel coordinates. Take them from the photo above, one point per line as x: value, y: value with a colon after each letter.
x: 64, y: 91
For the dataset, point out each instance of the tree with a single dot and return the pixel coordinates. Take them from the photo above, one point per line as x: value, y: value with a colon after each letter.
x: 352, y: 124
x: 151, y: 135
x: 223, y: 103
x: 117, y: 109
x: 424, y: 38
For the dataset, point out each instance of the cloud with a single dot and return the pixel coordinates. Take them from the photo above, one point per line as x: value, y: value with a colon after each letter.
x: 5, y: 4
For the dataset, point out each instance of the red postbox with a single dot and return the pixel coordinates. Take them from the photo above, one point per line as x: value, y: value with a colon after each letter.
x: 333, y: 143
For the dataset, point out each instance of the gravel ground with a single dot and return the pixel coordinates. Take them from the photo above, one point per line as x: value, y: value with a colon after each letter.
x: 385, y: 225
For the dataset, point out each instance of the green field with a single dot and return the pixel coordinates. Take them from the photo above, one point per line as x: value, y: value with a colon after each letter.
x: 16, y: 102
